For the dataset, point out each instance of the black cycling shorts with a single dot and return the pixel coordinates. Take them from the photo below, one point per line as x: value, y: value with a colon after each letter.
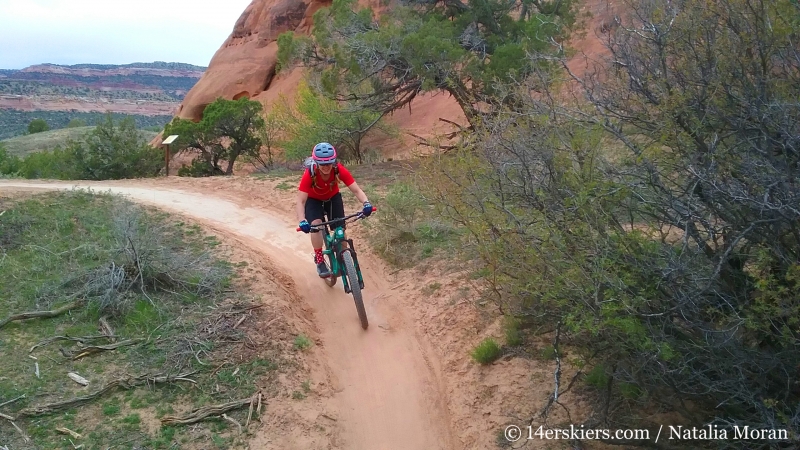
x: 325, y: 210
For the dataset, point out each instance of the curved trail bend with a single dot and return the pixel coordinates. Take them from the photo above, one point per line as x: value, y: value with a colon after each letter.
x: 386, y: 392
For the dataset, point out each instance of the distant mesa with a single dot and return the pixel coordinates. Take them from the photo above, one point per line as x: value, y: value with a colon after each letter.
x: 158, y: 68
x: 155, y: 88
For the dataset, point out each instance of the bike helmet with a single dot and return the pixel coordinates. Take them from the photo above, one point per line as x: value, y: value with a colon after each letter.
x: 324, y: 153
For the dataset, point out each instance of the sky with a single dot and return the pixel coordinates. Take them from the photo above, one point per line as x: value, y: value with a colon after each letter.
x: 114, y: 31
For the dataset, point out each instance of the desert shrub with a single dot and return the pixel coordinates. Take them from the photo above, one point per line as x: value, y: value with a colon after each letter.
x: 198, y: 168
x: 486, y: 352
x: 657, y: 231
x: 9, y: 164
x: 111, y: 151
x: 37, y: 126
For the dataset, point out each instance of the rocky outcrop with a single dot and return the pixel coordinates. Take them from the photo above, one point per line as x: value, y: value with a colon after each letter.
x: 244, y: 66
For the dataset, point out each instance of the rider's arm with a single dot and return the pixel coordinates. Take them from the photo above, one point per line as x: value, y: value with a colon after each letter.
x: 302, y: 195
x: 300, y: 206
x: 350, y: 182
x: 360, y: 195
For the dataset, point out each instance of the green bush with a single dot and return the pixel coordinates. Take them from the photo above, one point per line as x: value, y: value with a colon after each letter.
x: 302, y: 342
x: 597, y: 377
x: 111, y: 151
x: 37, y: 126
x: 512, y: 332
x: 76, y: 123
x: 59, y: 164
x: 486, y: 352
x: 408, y: 228
x: 14, y: 123
x: 9, y: 164
x: 198, y: 168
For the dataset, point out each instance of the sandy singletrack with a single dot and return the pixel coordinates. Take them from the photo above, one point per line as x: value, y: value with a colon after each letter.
x: 385, y: 389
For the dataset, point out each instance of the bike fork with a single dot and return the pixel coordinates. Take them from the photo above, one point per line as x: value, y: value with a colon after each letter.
x: 350, y: 248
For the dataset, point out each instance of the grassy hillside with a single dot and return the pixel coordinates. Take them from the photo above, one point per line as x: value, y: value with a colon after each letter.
x: 23, y: 145
x: 14, y: 122
x: 150, y: 324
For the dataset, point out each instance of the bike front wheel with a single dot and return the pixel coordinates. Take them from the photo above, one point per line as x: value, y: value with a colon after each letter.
x: 355, y: 287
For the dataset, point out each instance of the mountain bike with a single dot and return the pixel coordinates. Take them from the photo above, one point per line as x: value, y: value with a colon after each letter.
x: 342, y: 261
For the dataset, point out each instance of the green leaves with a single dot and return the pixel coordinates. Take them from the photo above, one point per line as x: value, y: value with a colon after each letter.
x: 228, y: 129
x: 316, y: 118
x: 464, y: 50
x: 37, y: 126
x: 110, y: 151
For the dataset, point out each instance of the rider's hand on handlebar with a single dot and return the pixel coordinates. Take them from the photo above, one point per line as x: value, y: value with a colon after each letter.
x: 367, y: 209
x: 305, y: 226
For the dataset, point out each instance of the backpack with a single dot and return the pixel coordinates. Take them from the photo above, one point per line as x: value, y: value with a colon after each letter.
x: 311, y: 165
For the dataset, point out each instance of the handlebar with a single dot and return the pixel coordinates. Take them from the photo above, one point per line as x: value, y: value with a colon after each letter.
x: 359, y: 215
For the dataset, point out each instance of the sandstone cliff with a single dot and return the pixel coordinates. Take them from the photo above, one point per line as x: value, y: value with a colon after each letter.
x: 244, y: 66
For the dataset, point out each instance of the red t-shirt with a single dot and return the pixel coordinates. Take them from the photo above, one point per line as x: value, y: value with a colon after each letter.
x: 325, y: 189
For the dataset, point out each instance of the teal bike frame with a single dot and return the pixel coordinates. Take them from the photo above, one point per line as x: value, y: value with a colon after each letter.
x: 343, y: 261
x: 334, y: 249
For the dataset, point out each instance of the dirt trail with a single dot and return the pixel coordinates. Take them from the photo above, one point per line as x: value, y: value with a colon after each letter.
x: 386, y: 391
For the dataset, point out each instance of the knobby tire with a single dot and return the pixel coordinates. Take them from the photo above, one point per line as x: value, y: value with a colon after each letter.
x: 355, y: 287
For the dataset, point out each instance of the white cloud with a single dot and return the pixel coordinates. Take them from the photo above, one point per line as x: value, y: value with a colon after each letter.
x: 113, y: 32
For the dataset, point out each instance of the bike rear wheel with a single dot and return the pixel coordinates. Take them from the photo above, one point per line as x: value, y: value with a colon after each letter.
x: 355, y: 287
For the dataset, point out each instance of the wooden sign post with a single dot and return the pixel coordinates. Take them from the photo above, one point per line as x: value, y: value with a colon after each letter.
x: 166, y: 142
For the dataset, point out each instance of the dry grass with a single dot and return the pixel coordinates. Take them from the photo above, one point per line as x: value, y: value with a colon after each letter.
x: 47, y: 140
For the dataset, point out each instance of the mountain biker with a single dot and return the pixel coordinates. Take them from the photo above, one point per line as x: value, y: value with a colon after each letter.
x: 318, y: 196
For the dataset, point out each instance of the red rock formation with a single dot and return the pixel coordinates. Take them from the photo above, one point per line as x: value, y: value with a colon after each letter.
x: 245, y: 64
x: 245, y: 67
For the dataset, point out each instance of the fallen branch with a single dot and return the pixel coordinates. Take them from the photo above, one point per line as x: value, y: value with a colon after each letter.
x: 65, y: 430
x: 24, y: 436
x: 233, y: 421
x: 122, y: 383
x: 107, y: 330
x: 67, y: 338
x: 12, y: 400
x: 249, y: 308
x: 240, y: 321
x: 461, y: 128
x: 250, y: 410
x: 78, y: 379
x: 204, y: 412
x: 92, y: 349
x: 423, y: 141
x: 11, y: 420
x: 42, y: 314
